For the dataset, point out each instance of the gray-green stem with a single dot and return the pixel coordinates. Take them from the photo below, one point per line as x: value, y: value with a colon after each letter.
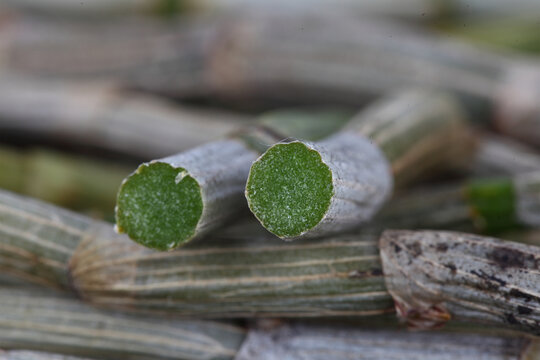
x: 167, y: 202
x: 298, y: 341
x: 303, y: 189
x: 38, y: 320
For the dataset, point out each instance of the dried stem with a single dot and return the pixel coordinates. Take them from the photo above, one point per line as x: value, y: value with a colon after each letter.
x: 435, y: 276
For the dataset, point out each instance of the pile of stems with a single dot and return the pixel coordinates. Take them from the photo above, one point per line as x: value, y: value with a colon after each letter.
x: 261, y: 276
x: 257, y: 58
x: 167, y: 202
x: 100, y: 116
x: 301, y: 189
x: 255, y: 64
x: 75, y: 182
x: 297, y: 341
x: 44, y: 321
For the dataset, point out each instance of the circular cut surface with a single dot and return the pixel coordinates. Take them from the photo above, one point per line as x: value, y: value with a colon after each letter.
x: 289, y: 189
x: 159, y: 206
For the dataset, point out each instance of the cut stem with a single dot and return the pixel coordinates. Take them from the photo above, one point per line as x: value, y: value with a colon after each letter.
x: 303, y: 189
x: 169, y: 201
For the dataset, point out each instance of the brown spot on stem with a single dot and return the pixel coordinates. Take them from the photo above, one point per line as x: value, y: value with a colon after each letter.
x: 415, y: 248
x: 441, y: 247
x: 505, y: 257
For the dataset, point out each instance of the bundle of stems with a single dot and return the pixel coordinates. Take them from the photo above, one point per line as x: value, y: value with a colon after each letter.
x: 265, y: 277
x: 298, y: 341
x: 100, y: 116
x: 301, y: 189
x: 70, y: 181
x: 488, y: 205
x: 44, y: 321
x: 169, y: 201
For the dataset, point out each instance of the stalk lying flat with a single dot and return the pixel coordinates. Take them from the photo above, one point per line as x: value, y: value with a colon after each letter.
x: 43, y: 321
x: 100, y: 116
x: 169, y: 201
x: 258, y: 275
x: 320, y: 342
x: 488, y: 205
x: 313, y: 189
x: 435, y: 276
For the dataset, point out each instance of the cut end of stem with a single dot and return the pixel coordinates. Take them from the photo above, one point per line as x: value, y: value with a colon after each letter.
x: 289, y: 189
x: 159, y: 206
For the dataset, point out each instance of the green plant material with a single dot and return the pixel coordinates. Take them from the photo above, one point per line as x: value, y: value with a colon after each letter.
x: 484, y: 205
x: 511, y: 34
x: 306, y: 123
x: 492, y: 203
x: 168, y: 206
x: 167, y: 202
x: 71, y: 181
x: 44, y: 321
x: 301, y: 187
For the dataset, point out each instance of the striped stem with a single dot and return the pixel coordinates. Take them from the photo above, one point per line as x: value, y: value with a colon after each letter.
x: 312, y: 189
x: 169, y: 201
x: 435, y: 276
x: 235, y: 278
x: 100, y: 116
x: 37, y: 240
x: 299, y: 341
x: 44, y: 321
x: 259, y: 275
